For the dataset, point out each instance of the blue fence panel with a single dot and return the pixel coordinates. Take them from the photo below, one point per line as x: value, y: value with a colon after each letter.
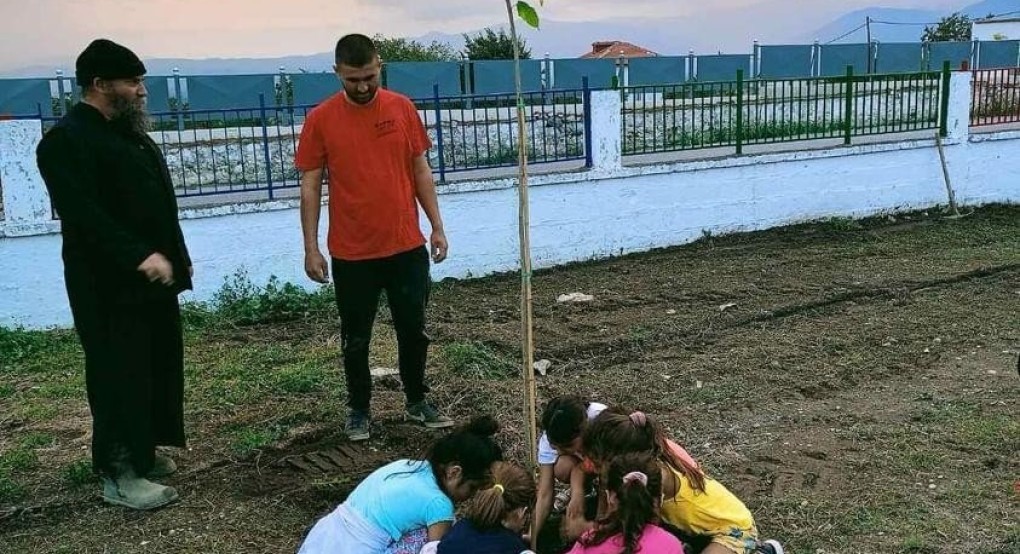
x: 312, y: 88
x: 416, y: 79
x: 833, y: 59
x: 953, y: 52
x: 786, y: 62
x: 569, y: 74
x: 664, y: 70
x: 899, y: 57
x: 722, y: 67
x: 229, y: 91
x: 497, y: 76
x: 159, y: 93
x: 999, y: 53
x: 24, y: 96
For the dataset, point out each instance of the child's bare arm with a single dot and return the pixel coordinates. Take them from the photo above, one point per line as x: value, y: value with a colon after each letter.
x: 544, y: 501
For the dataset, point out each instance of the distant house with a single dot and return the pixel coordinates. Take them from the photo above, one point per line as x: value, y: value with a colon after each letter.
x: 614, y: 49
x: 996, y: 29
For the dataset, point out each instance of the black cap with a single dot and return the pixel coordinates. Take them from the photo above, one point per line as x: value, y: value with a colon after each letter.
x: 106, y: 59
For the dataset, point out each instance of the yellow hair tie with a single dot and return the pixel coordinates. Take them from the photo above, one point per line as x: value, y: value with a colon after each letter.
x: 499, y: 487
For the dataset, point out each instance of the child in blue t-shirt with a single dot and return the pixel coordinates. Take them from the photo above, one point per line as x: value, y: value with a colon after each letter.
x: 497, y: 516
x: 410, y: 500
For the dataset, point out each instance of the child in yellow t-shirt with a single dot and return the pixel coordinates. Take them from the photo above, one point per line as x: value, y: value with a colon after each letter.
x: 702, y: 509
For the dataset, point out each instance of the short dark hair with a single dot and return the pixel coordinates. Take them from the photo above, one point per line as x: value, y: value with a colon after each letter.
x: 563, y: 419
x: 355, y: 50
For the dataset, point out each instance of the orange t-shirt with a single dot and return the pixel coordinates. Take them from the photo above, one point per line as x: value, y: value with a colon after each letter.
x: 369, y: 151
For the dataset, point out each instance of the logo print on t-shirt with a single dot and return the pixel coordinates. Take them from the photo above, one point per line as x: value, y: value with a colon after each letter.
x: 385, y: 127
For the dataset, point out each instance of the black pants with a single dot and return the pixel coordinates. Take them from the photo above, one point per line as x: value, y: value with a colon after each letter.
x: 134, y: 377
x: 405, y: 278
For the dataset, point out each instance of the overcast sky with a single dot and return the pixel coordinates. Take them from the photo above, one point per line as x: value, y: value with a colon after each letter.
x: 48, y: 31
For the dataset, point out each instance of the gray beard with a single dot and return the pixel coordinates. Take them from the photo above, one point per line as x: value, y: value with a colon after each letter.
x: 131, y: 115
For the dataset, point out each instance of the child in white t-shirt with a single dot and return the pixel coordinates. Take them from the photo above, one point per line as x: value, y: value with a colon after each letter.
x: 564, y: 420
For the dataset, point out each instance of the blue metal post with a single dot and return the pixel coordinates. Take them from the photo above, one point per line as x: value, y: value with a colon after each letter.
x: 586, y: 93
x: 439, y: 132
x: 265, y: 144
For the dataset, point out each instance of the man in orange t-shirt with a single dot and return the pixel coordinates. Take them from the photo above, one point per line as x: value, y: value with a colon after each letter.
x: 375, y: 147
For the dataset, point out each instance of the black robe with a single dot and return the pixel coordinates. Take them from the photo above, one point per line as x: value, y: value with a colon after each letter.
x: 115, y: 199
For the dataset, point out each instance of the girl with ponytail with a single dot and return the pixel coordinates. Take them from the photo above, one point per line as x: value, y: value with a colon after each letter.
x: 703, y: 512
x: 633, y: 488
x: 495, y: 519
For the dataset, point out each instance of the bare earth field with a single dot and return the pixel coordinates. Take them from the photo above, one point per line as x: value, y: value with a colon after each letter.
x: 854, y: 382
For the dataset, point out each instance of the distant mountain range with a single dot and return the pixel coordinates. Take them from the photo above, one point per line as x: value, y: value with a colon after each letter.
x: 766, y: 21
x: 894, y: 25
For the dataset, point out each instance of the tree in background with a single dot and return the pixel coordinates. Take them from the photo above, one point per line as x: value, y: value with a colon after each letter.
x: 494, y: 45
x: 955, y: 27
x: 393, y: 49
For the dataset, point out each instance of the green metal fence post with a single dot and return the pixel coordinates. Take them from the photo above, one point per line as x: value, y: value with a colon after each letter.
x: 848, y: 115
x: 740, y: 111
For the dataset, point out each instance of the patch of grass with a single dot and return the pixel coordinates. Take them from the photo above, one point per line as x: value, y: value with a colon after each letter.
x: 80, y: 473
x: 18, y: 459
x: 60, y: 390
x: 989, y: 432
x: 37, y: 440
x: 923, y: 460
x: 249, y: 439
x: 477, y: 360
x: 916, y: 545
x: 28, y: 351
x: 10, y: 490
x: 639, y: 334
x: 241, y: 302
x: 37, y: 411
x: 300, y: 379
x: 946, y: 412
x: 6, y: 391
x: 841, y: 224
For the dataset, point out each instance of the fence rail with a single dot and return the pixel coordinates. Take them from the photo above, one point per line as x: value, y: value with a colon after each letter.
x: 740, y: 112
x: 250, y: 151
x: 996, y: 97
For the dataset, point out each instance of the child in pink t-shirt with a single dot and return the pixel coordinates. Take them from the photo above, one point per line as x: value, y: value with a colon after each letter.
x: 633, y: 485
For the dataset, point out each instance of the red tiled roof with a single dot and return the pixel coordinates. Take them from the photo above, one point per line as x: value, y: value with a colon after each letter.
x: 616, y: 48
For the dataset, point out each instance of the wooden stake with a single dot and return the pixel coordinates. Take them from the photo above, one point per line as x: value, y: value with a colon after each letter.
x: 527, y: 334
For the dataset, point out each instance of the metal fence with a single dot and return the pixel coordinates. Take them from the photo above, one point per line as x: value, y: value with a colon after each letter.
x: 740, y: 112
x: 51, y: 96
x: 996, y: 97
x: 251, y: 150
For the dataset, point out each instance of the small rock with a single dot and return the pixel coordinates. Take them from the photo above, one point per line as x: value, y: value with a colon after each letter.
x: 927, y: 350
x: 384, y: 372
x: 775, y: 364
x: 803, y: 504
x: 727, y: 306
x: 933, y: 486
x: 670, y: 312
x: 992, y: 372
x: 698, y: 384
x: 575, y: 297
x: 542, y: 367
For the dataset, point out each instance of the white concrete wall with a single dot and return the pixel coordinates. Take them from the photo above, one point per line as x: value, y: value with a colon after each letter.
x: 575, y: 216
x: 988, y: 30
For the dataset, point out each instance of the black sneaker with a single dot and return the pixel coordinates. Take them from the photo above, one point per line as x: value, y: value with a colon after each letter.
x: 358, y: 425
x: 770, y: 546
x: 427, y: 415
